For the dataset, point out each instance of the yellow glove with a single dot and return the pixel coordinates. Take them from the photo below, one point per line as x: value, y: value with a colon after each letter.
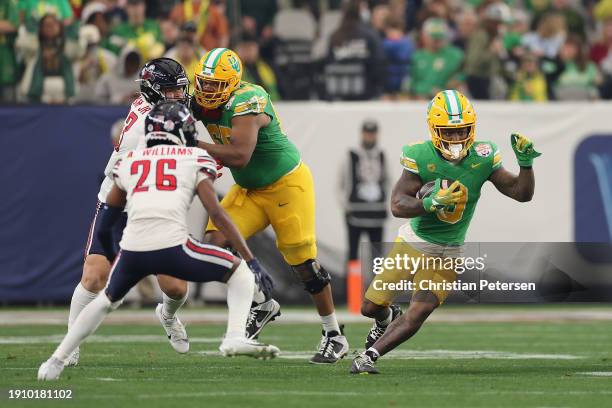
x: 442, y: 197
x: 523, y: 149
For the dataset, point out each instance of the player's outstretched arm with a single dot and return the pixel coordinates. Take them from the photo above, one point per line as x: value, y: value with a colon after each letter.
x: 242, y: 141
x: 219, y: 217
x: 519, y: 188
x: 404, y: 203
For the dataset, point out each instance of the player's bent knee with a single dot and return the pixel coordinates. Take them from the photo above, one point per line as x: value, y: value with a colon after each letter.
x: 173, y: 287
x: 369, y: 309
x: 313, y: 276
x: 421, y: 310
x: 95, y: 273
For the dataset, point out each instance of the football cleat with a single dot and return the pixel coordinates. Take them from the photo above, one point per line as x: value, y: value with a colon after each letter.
x: 332, y: 348
x: 240, y: 346
x: 363, y: 364
x: 260, y: 315
x: 377, y: 331
x: 73, y: 359
x: 175, y: 330
x: 50, y: 370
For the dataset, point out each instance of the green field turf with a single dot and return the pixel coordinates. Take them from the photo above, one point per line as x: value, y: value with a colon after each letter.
x: 445, y: 365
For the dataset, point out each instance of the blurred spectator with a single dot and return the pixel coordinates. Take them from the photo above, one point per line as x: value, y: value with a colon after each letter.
x: 116, y: 13
x: 398, y: 50
x: 433, y: 8
x: 467, y: 23
x: 31, y: 11
x: 95, y: 13
x: 601, y: 50
x: 364, y: 186
x: 549, y: 36
x: 530, y: 84
x: 601, y: 53
x: 119, y: 85
x: 9, y: 21
x: 485, y: 53
x: 257, y: 17
x: 574, y: 20
x: 95, y: 63
x: 355, y: 65
x: 580, y: 77
x: 48, y: 75
x: 210, y: 22
x: 256, y: 70
x: 603, y: 10
x: 169, y: 33
x: 518, y: 27
x: 138, y: 32
x: 437, y: 65
x: 186, y: 53
x: 378, y: 17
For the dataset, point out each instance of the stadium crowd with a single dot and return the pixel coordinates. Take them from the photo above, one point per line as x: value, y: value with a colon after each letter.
x: 90, y: 51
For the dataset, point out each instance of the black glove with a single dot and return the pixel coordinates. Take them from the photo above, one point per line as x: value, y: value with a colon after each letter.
x: 262, y: 278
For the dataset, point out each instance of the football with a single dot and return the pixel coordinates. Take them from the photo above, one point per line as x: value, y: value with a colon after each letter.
x: 428, y: 187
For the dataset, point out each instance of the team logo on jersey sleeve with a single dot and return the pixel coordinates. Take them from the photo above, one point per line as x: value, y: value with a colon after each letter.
x: 483, y: 149
x: 431, y: 167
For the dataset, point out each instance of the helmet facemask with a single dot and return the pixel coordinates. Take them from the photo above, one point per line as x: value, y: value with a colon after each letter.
x: 453, y: 142
x: 211, y: 93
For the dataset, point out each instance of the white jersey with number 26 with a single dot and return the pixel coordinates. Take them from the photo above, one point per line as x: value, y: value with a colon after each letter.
x: 131, y: 138
x: 160, y: 183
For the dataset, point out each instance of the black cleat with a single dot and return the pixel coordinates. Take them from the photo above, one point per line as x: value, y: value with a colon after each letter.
x: 332, y: 348
x: 377, y: 331
x: 363, y: 364
x: 259, y: 316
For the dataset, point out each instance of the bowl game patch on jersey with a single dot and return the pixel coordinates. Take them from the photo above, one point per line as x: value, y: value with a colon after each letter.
x: 483, y: 149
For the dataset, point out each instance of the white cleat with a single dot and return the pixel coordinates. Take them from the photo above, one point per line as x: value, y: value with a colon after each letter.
x: 239, y: 346
x: 50, y: 370
x: 73, y: 359
x: 175, y: 330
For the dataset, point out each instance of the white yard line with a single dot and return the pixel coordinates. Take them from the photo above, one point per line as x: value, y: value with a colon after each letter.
x: 190, y: 316
x: 436, y: 355
x: 130, y: 338
x: 597, y: 373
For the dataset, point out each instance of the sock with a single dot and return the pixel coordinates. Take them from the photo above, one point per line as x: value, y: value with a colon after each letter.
x: 373, y: 353
x: 387, y: 320
x: 80, y: 298
x: 239, y: 296
x: 85, y: 324
x: 330, y: 323
x: 258, y: 296
x: 170, y: 306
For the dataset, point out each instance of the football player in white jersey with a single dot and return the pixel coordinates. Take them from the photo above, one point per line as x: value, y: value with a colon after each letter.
x: 156, y: 185
x: 160, y: 79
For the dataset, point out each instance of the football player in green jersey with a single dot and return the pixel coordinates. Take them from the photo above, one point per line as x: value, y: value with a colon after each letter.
x: 273, y: 186
x: 439, y: 220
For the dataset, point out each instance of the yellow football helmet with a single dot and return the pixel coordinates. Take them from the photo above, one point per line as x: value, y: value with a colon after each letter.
x: 451, y: 110
x: 217, y: 76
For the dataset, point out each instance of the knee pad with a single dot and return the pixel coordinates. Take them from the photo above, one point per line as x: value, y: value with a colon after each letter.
x: 313, y: 276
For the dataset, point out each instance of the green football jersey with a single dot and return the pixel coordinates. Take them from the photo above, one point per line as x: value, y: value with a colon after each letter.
x: 449, y: 226
x: 274, y: 155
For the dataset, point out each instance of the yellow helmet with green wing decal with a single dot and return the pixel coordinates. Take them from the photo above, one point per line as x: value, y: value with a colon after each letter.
x: 450, y: 112
x: 218, y: 75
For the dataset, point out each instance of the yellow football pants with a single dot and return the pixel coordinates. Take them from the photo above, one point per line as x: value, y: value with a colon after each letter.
x: 287, y: 204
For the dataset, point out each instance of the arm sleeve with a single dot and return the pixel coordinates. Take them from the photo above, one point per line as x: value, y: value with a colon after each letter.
x: 116, y: 174
x: 207, y: 168
x: 249, y: 102
x: 408, y: 160
x: 496, y: 161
